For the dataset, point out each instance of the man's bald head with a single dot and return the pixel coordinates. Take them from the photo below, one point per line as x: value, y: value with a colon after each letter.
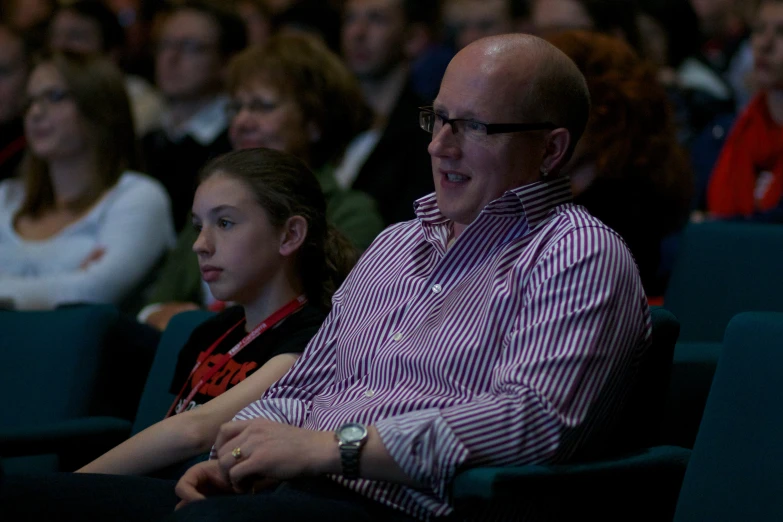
x: 536, y: 80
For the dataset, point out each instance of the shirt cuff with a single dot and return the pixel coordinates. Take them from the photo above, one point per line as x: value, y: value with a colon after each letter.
x: 425, y: 447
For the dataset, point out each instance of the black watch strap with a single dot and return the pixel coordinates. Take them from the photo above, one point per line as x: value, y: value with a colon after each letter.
x: 349, y: 456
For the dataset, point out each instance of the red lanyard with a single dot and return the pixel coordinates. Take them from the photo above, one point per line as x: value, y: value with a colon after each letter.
x: 288, y: 309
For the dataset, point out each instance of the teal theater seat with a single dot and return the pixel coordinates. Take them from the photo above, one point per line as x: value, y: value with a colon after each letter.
x: 49, y: 366
x: 79, y: 432
x: 636, y: 479
x: 156, y: 398
x: 723, y: 269
x: 735, y: 469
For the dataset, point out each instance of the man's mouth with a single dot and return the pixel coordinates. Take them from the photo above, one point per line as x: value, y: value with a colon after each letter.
x: 456, y: 178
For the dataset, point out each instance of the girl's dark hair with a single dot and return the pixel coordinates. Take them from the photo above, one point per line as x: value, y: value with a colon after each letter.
x: 284, y: 187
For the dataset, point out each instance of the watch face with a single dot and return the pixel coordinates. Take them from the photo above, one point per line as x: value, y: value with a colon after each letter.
x: 352, y: 432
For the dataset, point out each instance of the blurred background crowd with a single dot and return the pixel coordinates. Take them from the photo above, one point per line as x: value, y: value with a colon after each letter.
x: 109, y: 109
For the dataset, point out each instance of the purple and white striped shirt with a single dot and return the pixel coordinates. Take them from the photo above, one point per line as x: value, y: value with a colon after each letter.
x: 492, y: 352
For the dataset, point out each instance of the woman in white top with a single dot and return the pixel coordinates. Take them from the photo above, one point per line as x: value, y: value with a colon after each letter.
x: 79, y: 226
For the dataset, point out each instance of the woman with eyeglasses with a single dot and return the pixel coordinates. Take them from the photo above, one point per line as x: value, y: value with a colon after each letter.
x: 293, y: 95
x: 79, y: 225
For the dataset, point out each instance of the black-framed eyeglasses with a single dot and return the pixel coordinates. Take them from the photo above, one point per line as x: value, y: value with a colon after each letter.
x: 432, y: 122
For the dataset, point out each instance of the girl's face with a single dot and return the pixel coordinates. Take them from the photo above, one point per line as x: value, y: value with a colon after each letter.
x: 767, y: 41
x: 263, y: 117
x: 238, y: 248
x: 53, y: 124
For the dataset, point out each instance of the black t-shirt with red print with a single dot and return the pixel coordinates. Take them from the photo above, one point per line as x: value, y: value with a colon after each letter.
x: 289, y: 336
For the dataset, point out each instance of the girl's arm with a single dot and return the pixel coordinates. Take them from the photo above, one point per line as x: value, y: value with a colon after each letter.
x: 188, y: 434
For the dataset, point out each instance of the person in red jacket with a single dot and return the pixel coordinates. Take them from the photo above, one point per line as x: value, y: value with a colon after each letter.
x: 747, y: 181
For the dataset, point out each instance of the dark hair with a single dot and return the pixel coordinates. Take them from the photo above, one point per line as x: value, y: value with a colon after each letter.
x: 609, y: 16
x: 29, y: 45
x: 233, y: 35
x: 322, y: 87
x: 425, y: 12
x: 112, y: 34
x: 284, y: 187
x: 98, y: 88
x: 680, y: 25
x: 313, y: 16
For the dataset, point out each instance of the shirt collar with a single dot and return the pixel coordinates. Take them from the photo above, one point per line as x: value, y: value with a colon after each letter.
x: 205, y: 126
x: 533, y: 201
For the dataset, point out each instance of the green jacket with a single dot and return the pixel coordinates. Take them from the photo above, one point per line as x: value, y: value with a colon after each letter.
x: 352, y: 212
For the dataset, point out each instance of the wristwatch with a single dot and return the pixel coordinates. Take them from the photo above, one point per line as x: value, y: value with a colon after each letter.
x: 350, y: 439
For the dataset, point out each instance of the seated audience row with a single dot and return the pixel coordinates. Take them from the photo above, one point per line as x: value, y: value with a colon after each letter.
x: 452, y: 344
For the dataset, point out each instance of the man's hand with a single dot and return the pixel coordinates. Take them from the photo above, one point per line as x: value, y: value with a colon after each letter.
x: 160, y: 318
x: 205, y: 478
x: 270, y: 452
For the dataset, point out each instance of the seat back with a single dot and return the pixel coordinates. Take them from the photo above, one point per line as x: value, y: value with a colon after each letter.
x: 49, y: 362
x: 640, y: 420
x: 735, y: 469
x: 156, y: 397
x: 723, y: 269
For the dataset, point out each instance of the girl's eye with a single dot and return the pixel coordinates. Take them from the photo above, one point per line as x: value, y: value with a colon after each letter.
x: 196, y: 227
x: 224, y: 223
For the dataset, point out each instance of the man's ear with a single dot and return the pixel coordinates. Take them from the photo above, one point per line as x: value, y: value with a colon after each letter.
x: 293, y: 235
x: 556, y: 146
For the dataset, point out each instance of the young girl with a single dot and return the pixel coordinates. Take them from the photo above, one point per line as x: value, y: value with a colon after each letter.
x: 263, y: 243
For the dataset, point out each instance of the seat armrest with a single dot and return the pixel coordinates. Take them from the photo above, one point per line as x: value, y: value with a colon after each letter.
x: 85, y: 435
x: 498, y: 482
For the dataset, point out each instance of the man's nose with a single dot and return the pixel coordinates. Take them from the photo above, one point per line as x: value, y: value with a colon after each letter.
x: 444, y: 143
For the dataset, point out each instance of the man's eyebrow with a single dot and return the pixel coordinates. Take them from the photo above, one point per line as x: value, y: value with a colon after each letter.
x: 468, y: 115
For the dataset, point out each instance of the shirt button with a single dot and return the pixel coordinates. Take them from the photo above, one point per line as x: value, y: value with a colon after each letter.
x: 436, y: 289
x: 397, y: 336
x: 369, y: 393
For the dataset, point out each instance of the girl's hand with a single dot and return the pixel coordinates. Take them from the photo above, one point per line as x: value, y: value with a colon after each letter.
x: 200, y: 481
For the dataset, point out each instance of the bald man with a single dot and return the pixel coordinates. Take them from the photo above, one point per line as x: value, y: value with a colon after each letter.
x: 485, y: 332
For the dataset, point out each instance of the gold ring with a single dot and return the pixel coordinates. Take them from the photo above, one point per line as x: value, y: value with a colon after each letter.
x: 237, y: 453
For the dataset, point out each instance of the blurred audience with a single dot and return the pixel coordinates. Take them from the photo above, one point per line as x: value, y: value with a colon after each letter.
x: 468, y: 20
x: 27, y: 14
x: 79, y: 226
x: 725, y: 47
x: 614, y: 17
x: 196, y: 41
x: 14, y: 68
x: 628, y: 169
x: 292, y: 95
x: 747, y: 182
x: 314, y: 17
x: 257, y: 16
x: 389, y: 161
x: 90, y: 27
